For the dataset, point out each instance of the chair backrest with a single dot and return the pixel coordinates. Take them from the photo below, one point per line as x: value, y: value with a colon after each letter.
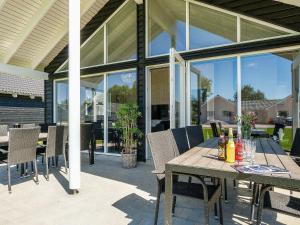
x: 3, y: 130
x: 295, y: 150
x: 56, y: 142
x: 195, y: 135
x: 277, y: 127
x: 179, y: 139
x: 214, y: 129
x: 22, y: 145
x: 28, y: 125
x: 161, y: 148
x: 85, y: 136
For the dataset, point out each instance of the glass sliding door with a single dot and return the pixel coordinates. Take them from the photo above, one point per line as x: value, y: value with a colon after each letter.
x: 213, y: 93
x: 121, y: 89
x: 93, y: 107
x: 296, y: 94
x: 61, y: 101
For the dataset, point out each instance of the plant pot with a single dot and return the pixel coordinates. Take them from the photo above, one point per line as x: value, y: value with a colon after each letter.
x: 129, y: 159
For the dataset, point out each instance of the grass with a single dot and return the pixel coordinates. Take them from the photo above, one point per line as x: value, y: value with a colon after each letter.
x: 286, y: 143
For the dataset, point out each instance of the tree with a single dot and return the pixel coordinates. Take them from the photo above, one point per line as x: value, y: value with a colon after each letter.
x: 248, y: 93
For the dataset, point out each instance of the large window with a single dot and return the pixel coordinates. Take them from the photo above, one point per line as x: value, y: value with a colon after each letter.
x: 210, y: 27
x: 61, y: 100
x: 121, y: 34
x: 121, y: 40
x: 121, y: 89
x: 213, y: 91
x: 267, y: 90
x: 166, y: 26
x: 186, y: 25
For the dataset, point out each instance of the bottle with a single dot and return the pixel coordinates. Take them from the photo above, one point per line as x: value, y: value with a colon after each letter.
x: 222, y: 147
x: 230, y: 150
x: 238, y: 149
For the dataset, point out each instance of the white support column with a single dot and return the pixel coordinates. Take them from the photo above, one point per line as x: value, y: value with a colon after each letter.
x: 74, y: 94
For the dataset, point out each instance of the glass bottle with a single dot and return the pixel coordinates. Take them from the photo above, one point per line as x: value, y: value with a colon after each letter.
x: 230, y: 149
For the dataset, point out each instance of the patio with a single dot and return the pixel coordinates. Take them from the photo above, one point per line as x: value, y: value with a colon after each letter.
x: 110, y: 195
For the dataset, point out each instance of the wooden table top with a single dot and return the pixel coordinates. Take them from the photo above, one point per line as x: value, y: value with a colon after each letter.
x: 197, y: 162
x: 4, y: 139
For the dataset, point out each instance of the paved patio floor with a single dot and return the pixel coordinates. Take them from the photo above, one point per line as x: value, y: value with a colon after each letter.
x: 109, y: 195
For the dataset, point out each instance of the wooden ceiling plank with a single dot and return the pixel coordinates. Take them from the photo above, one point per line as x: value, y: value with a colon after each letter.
x: 46, y: 5
x: 58, y: 37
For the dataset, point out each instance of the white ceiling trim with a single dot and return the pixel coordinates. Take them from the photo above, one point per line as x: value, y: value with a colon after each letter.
x: 60, y: 34
x: 290, y: 2
x: 22, y: 72
x: 46, y: 5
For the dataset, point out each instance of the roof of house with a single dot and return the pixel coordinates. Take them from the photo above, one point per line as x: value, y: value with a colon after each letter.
x: 21, y: 85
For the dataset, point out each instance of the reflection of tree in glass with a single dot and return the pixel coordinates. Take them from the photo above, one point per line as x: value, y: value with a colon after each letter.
x: 248, y: 93
x: 123, y: 94
x: 201, y: 97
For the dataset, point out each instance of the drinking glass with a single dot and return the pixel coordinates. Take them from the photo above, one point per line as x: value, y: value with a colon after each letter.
x: 247, y: 150
x: 253, y: 151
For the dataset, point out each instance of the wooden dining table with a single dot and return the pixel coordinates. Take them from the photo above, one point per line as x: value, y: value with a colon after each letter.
x: 199, y: 161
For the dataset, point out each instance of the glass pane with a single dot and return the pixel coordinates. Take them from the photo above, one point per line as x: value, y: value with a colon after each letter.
x: 253, y: 31
x: 267, y: 91
x: 211, y: 28
x: 61, y: 98
x: 122, y: 34
x: 166, y: 26
x: 121, y: 90
x: 92, y: 106
x: 179, y: 92
x: 213, y: 93
x: 92, y: 52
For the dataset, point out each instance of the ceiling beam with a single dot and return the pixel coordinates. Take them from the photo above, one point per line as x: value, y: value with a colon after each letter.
x: 58, y: 37
x: 290, y: 2
x: 32, y: 23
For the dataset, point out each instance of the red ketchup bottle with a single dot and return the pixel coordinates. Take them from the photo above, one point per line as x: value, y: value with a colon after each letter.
x: 238, y: 150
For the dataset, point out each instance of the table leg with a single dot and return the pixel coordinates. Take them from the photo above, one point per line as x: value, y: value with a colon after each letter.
x: 253, y: 201
x: 168, y: 196
x: 264, y: 189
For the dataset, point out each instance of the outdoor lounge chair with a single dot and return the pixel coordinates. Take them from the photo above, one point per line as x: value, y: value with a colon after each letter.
x: 195, y: 135
x: 162, y: 150
x: 55, y: 147
x: 22, y: 149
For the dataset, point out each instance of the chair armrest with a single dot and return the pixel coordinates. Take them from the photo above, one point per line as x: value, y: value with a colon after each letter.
x: 158, y: 172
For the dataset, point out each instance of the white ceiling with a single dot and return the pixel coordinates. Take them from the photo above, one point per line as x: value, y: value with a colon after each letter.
x: 33, y: 32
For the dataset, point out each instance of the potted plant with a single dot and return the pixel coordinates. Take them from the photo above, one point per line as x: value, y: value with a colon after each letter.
x: 127, y: 116
x: 247, y: 122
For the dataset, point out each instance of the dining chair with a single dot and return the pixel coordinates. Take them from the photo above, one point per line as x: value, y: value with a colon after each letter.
x: 56, y: 142
x: 179, y: 140
x: 86, y: 138
x: 194, y: 135
x: 295, y: 150
x: 22, y: 149
x: 162, y: 150
x: 214, y: 129
x: 277, y: 127
x: 3, y: 130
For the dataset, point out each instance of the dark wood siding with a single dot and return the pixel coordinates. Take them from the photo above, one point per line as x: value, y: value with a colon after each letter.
x: 49, y: 100
x: 21, y: 110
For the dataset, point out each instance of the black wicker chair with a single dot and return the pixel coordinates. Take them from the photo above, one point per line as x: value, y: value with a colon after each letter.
x: 214, y: 129
x: 180, y: 141
x: 295, y: 150
x: 195, y: 135
x: 162, y: 150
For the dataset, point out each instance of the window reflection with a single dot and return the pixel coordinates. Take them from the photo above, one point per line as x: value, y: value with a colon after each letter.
x: 166, y: 26
x: 210, y: 27
x: 213, y: 91
x: 121, y: 89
